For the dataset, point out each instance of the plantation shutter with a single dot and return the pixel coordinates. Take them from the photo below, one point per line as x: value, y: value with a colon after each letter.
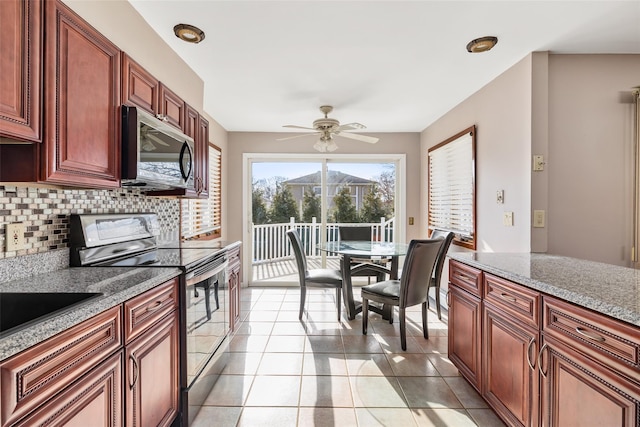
x: 452, y: 186
x: 202, y: 217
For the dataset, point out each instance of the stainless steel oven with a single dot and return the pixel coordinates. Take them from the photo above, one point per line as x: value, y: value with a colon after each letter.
x: 131, y: 240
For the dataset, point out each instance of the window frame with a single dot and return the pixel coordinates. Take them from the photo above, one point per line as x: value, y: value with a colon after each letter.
x: 462, y: 238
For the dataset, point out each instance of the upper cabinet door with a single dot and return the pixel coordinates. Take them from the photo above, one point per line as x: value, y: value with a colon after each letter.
x: 21, y: 70
x: 202, y: 157
x: 172, y: 108
x: 139, y: 87
x: 82, y: 80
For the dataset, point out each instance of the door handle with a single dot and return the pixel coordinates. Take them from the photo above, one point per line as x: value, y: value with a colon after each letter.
x: 542, y: 372
x: 135, y: 371
x: 529, y: 354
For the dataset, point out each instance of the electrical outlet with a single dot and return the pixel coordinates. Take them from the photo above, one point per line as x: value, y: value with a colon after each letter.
x: 410, y: 220
x: 500, y: 196
x: 15, y: 237
x: 538, y: 163
x: 507, y: 219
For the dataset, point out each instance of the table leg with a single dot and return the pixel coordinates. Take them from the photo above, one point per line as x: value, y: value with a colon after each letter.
x: 347, y: 287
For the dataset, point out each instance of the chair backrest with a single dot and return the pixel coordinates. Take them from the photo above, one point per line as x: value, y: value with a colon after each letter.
x: 448, y: 238
x: 301, y: 259
x: 417, y: 269
x: 362, y: 233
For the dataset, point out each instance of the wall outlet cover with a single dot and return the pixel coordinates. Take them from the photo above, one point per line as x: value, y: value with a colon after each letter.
x: 507, y: 219
x: 14, y: 237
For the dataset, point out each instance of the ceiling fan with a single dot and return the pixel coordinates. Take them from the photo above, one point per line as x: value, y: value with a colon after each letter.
x: 327, y: 128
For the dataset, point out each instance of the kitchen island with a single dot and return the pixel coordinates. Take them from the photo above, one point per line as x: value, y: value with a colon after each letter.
x: 547, y: 340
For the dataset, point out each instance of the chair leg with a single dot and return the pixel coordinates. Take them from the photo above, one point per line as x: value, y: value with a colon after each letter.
x: 403, y: 328
x: 438, y: 302
x: 303, y: 296
x: 365, y: 315
x: 338, y: 301
x: 425, y: 330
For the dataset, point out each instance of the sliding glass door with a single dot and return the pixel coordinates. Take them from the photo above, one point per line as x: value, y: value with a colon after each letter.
x: 314, y: 195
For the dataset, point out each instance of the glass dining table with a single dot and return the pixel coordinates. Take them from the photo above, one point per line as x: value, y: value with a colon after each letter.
x: 349, y: 250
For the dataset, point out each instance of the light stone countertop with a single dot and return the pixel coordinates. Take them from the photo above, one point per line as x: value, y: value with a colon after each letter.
x: 116, y: 284
x: 604, y: 288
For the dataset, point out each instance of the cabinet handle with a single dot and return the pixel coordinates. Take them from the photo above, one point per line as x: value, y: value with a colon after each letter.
x: 529, y: 353
x: 155, y: 306
x: 508, y: 297
x: 543, y: 373
x: 449, y: 298
x: 135, y: 371
x: 590, y: 335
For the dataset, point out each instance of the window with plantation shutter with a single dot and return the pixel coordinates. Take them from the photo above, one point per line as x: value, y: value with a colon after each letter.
x: 452, y: 187
x: 201, y: 218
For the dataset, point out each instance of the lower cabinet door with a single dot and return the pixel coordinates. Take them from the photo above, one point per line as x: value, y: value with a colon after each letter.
x: 152, y: 383
x: 465, y: 328
x: 95, y: 400
x: 576, y: 391
x: 510, y: 379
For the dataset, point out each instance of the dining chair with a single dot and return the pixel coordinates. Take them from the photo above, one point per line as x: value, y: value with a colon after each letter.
x: 410, y: 290
x: 363, y: 233
x: 436, y: 277
x: 316, y: 277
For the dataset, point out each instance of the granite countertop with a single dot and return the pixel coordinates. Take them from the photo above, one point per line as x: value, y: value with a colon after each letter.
x: 115, y: 284
x: 608, y: 289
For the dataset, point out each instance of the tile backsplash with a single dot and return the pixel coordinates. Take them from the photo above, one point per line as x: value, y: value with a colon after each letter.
x: 44, y: 212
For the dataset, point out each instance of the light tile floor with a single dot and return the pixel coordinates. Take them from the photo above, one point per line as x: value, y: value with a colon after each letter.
x: 321, y: 372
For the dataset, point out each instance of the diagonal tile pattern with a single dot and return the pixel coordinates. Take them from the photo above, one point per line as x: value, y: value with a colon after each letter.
x: 321, y: 372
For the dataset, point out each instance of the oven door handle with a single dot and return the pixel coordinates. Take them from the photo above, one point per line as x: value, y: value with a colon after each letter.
x: 197, y: 277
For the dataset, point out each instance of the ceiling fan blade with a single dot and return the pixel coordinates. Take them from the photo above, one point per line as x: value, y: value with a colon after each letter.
x: 297, y: 127
x: 351, y: 126
x: 358, y: 137
x: 297, y: 136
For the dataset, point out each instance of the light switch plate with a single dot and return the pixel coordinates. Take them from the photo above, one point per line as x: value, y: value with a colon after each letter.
x: 507, y: 219
x: 538, y: 163
x: 538, y: 219
x: 500, y: 196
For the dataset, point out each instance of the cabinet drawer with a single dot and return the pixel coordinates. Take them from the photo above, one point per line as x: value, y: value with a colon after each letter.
x: 515, y: 299
x: 608, y: 341
x: 468, y: 278
x: 44, y: 370
x: 145, y: 310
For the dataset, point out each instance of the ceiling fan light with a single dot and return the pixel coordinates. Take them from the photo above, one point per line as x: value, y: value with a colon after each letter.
x: 188, y: 33
x: 482, y: 44
x: 320, y: 146
x: 332, y: 146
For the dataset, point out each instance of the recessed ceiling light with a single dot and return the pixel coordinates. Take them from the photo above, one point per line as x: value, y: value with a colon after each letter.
x: 482, y: 44
x: 188, y: 33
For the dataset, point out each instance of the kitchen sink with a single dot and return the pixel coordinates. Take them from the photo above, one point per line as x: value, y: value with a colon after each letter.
x: 18, y: 309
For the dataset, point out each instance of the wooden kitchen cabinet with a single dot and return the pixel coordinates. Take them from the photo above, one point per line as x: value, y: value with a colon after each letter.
x: 171, y: 107
x: 234, y: 269
x: 152, y: 357
x: 95, y: 400
x: 21, y: 70
x: 465, y: 329
x: 82, y: 101
x: 589, y: 368
x: 151, y: 375
x: 139, y: 87
x: 509, y: 349
x: 545, y: 362
x: 510, y: 380
x: 39, y: 374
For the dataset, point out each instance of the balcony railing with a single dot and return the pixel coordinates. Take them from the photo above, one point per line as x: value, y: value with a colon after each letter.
x: 270, y: 242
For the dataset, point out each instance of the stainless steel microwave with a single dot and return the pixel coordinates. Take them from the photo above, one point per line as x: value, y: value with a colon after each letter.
x: 155, y: 155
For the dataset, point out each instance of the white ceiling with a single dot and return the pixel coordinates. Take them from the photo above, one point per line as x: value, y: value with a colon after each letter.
x: 395, y: 66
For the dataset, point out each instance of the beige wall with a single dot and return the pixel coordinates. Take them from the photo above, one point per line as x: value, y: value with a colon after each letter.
x: 576, y: 111
x: 502, y: 113
x: 255, y: 142
x: 590, y: 162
